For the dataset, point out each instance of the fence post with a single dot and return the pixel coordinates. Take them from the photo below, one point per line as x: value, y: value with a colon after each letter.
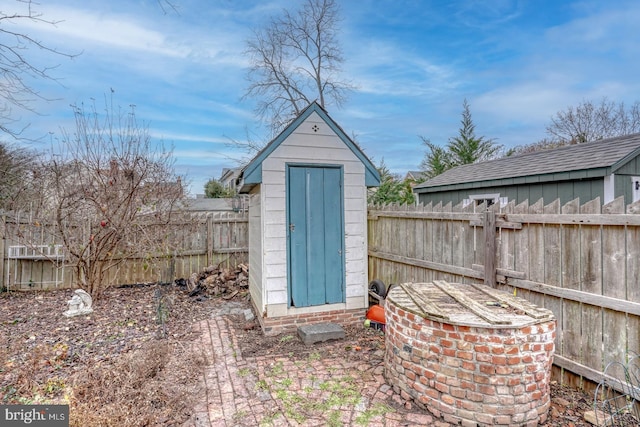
x: 489, y: 225
x: 210, y: 237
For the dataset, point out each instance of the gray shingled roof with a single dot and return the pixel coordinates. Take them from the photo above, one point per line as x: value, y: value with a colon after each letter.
x: 605, y: 153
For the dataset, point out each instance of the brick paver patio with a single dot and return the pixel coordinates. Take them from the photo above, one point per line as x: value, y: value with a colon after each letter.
x: 321, y: 389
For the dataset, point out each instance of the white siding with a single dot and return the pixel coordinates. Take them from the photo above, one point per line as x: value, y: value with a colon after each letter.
x: 609, y: 188
x: 304, y: 146
x: 256, y: 288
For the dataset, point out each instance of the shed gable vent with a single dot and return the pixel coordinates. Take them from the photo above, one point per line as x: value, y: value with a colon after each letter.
x: 315, y: 128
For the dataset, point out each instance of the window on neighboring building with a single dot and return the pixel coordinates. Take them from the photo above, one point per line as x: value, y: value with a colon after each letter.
x: 489, y: 199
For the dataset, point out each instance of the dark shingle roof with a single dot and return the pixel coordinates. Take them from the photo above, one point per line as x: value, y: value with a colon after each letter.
x: 605, y: 153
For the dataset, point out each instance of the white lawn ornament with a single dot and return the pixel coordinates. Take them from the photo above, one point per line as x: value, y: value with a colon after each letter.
x: 79, y: 304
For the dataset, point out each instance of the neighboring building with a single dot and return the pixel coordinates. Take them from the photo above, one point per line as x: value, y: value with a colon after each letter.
x: 607, y: 169
x: 206, y: 205
x: 414, y: 177
x: 308, y: 224
x: 229, y: 177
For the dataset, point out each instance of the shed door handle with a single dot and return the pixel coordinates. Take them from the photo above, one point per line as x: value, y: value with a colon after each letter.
x: 292, y: 227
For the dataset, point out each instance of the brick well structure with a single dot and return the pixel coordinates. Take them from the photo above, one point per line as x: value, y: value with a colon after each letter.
x: 471, y: 355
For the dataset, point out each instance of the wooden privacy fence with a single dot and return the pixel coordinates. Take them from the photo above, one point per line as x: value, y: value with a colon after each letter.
x: 580, y: 261
x: 34, y: 259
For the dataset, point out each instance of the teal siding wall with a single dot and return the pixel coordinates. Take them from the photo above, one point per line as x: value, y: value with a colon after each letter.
x: 586, y: 189
x: 624, y: 186
x: 632, y: 167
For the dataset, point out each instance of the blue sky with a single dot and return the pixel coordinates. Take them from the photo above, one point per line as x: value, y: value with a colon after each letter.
x: 413, y: 62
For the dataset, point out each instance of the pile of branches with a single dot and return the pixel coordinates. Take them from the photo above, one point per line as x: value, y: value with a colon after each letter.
x: 217, y: 281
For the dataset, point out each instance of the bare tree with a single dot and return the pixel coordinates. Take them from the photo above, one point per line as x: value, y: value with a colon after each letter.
x: 295, y: 60
x: 112, y: 195
x: 590, y: 121
x: 543, y: 144
x: 19, y: 173
x: 17, y: 69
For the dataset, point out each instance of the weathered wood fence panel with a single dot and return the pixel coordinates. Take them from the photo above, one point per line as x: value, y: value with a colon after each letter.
x: 580, y: 261
x: 199, y: 240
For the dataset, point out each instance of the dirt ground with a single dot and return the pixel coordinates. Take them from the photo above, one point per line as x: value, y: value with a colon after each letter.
x: 131, y: 363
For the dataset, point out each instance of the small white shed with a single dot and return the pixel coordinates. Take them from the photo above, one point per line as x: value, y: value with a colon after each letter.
x: 308, y: 225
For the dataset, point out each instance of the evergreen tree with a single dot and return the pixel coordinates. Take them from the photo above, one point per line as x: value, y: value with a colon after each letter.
x: 467, y: 147
x: 391, y: 190
x: 460, y: 150
x: 436, y: 160
x: 214, y: 189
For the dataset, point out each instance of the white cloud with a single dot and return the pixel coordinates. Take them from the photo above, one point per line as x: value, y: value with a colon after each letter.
x: 383, y: 68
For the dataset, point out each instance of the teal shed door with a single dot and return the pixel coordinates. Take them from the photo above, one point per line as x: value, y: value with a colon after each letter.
x: 315, y: 235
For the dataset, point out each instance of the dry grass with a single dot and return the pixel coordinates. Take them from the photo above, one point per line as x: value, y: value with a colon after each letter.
x: 149, y: 387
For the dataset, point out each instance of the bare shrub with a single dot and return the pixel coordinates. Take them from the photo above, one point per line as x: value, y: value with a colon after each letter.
x: 148, y: 387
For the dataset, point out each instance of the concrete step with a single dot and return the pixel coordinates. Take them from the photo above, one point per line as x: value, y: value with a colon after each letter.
x: 320, y: 332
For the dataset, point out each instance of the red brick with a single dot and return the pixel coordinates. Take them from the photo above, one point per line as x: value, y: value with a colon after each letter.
x: 449, y: 352
x: 453, y: 382
x: 446, y: 343
x: 497, y: 380
x: 499, y: 360
x: 487, y: 369
x: 466, y: 355
x: 481, y: 378
x: 514, y: 360
x: 468, y: 385
x: 475, y: 397
x: 518, y: 390
x: 512, y: 350
x: 472, y: 338
x: 448, y: 399
x: 504, y: 370
x: 490, y: 409
x: 482, y: 348
x: 506, y: 401
x: 432, y: 393
x: 419, y: 387
x: 441, y: 387
x: 487, y: 389
x: 439, y: 333
x: 465, y: 375
x: 483, y: 357
x: 513, y: 381
x: 464, y: 345
x: 484, y: 419
x: 458, y: 392
x: 471, y: 406
x: 429, y: 374
x: 469, y: 366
